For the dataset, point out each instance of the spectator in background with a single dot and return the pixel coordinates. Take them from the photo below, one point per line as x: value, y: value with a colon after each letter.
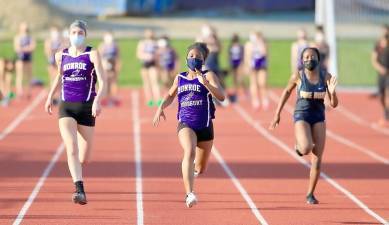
x: 256, y: 62
x: 323, y: 47
x: 380, y: 62
x: 167, y: 62
x: 24, y: 46
x: 147, y: 54
x: 236, y: 58
x: 52, y: 44
x: 378, y: 48
x: 65, y: 38
x: 7, y: 67
x: 110, y: 58
x: 297, y: 48
x: 210, y: 38
x: 2, y: 79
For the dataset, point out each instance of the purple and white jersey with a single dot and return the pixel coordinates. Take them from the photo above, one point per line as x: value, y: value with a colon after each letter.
x: 24, y: 41
x: 195, y: 104
x: 168, y: 59
x: 236, y: 52
x: 78, y: 78
x: 110, y: 51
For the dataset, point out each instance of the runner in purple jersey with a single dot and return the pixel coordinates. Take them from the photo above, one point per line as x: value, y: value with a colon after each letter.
x: 24, y: 46
x: 110, y: 57
x: 236, y: 59
x: 167, y: 62
x: 194, y: 89
x: 256, y: 61
x: 79, y: 68
x: 52, y: 45
x: 146, y: 52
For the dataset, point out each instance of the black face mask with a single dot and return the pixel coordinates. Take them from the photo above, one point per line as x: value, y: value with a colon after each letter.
x: 311, y: 64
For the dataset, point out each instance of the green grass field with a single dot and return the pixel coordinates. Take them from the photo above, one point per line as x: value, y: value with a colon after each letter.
x: 354, y: 61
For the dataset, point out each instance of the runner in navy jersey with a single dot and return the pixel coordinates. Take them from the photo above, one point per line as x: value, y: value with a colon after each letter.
x: 79, y: 67
x: 195, y: 89
x: 313, y: 84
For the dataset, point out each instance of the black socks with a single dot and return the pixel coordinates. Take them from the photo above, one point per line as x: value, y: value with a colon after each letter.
x: 79, y: 186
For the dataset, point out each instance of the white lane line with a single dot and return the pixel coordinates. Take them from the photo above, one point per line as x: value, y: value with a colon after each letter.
x: 357, y: 147
x: 238, y: 185
x: 138, y: 156
x: 359, y: 120
x: 39, y: 185
x: 369, y: 152
x: 290, y: 151
x: 23, y: 115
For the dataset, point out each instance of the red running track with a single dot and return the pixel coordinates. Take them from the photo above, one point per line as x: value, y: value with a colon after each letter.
x: 269, y: 177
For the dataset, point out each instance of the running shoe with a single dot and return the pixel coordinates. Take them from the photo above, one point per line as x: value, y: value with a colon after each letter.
x: 79, y: 197
x: 159, y: 102
x: 312, y: 200
x: 190, y: 200
x: 150, y: 103
x: 196, y: 174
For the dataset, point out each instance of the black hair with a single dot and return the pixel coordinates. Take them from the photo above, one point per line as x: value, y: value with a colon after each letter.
x: 202, y: 47
x: 235, y: 38
x: 165, y: 37
x: 313, y: 49
x: 320, y: 28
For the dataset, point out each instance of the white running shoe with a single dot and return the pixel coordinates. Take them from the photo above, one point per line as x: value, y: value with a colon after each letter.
x: 190, y: 200
x: 196, y: 174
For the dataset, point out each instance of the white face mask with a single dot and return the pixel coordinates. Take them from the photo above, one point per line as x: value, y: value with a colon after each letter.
x: 108, y: 39
x: 319, y: 37
x: 76, y: 40
x: 162, y: 43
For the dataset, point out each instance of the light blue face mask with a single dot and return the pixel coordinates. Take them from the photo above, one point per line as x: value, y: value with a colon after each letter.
x: 76, y: 40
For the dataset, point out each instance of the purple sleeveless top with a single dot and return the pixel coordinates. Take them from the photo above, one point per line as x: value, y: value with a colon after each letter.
x: 195, y: 104
x: 78, y: 78
x: 236, y: 53
x: 168, y: 59
x: 25, y: 41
